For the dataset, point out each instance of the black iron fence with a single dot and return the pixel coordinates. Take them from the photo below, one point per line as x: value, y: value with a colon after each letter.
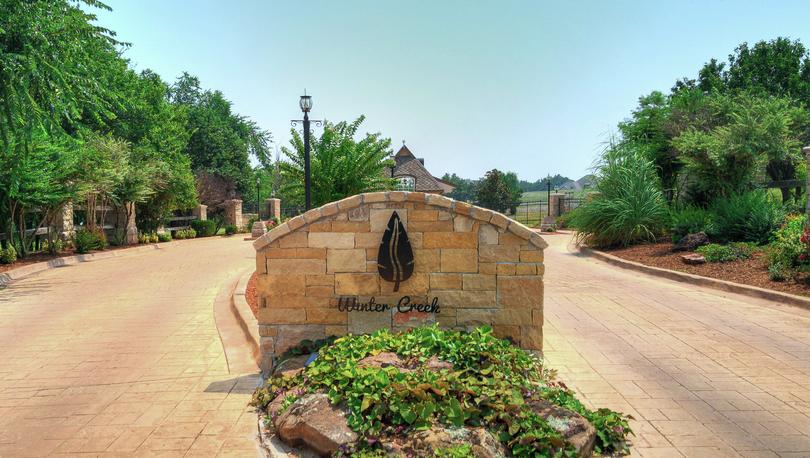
x: 532, y: 213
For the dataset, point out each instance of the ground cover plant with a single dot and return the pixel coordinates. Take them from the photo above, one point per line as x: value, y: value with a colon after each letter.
x: 492, y: 384
x: 714, y: 252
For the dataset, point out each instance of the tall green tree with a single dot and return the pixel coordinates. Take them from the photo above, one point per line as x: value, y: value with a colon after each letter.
x: 221, y: 141
x: 52, y: 57
x: 341, y: 165
x: 494, y: 193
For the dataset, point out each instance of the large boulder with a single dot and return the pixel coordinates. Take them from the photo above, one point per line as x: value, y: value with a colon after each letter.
x: 314, y: 422
x: 691, y: 242
x: 424, y: 443
x: 576, y: 430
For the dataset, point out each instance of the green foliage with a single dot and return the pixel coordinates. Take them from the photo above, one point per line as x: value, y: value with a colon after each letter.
x: 458, y: 451
x: 164, y: 236
x: 750, y: 217
x: 688, y: 220
x: 306, y: 347
x: 465, y: 188
x: 221, y: 141
x: 492, y: 384
x: 728, y: 159
x: 87, y: 240
x: 726, y: 253
x: 231, y: 229
x: 630, y: 206
x: 497, y: 192
x: 788, y: 249
x: 341, y: 166
x: 181, y: 234
x: 204, y: 227
x: 8, y: 255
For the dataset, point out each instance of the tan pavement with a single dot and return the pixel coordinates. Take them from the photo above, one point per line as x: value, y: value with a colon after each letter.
x: 704, y: 372
x: 121, y: 356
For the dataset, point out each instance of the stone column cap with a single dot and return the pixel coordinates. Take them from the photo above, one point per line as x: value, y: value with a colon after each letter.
x: 806, y: 150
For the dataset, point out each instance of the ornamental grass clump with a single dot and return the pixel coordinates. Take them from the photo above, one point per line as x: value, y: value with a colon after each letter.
x: 629, y: 206
x: 491, y: 384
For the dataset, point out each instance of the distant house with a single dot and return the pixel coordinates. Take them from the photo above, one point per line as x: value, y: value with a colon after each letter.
x: 412, y: 175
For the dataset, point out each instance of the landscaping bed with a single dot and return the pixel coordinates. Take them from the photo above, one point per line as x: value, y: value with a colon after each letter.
x: 428, y: 392
x: 250, y: 295
x: 752, y: 271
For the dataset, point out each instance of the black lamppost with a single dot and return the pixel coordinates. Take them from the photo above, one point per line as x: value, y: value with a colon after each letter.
x: 548, y: 194
x: 306, y: 105
x: 258, y: 201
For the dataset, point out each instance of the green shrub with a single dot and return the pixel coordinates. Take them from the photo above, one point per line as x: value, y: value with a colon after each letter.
x: 789, y: 249
x: 143, y: 237
x: 492, y: 384
x: 8, y: 255
x: 688, y: 220
x: 164, y: 236
x: 204, y: 228
x: 185, y: 234
x: 86, y: 240
x: 726, y: 253
x: 119, y: 237
x: 779, y: 272
x: 153, y: 238
x: 630, y: 206
x: 750, y: 217
x: 230, y: 229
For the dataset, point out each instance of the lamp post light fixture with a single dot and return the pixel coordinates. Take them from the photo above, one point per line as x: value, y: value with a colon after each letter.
x: 258, y: 200
x: 306, y: 105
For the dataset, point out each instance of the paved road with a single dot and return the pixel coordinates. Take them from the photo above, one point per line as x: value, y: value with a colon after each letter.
x: 122, y: 356
x: 704, y: 372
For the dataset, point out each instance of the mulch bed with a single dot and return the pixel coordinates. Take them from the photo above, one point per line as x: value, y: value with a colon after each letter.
x: 753, y: 271
x: 250, y: 295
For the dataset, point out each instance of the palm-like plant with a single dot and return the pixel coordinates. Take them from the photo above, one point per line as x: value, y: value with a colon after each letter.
x: 340, y: 165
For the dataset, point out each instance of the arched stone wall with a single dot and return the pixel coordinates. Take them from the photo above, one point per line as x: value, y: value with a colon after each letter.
x: 478, y: 266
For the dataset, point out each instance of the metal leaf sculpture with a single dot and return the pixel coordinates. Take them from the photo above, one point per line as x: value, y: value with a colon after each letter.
x: 395, y: 259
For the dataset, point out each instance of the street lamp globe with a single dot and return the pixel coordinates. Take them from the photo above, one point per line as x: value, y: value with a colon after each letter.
x: 305, y: 103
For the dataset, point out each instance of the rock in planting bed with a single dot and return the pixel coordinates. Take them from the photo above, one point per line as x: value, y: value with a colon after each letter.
x: 428, y: 392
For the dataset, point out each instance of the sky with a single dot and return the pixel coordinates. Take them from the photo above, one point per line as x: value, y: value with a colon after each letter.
x: 533, y: 87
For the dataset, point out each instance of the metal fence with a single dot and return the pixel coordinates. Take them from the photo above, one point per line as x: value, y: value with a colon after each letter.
x: 532, y: 213
x: 292, y: 211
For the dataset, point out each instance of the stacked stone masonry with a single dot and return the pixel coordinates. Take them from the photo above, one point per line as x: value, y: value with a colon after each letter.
x: 483, y: 268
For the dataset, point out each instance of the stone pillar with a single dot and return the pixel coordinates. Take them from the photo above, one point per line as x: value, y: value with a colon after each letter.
x: 63, y: 221
x: 201, y: 212
x: 806, y: 151
x: 554, y: 203
x: 128, y: 226
x: 233, y: 212
x: 273, y: 208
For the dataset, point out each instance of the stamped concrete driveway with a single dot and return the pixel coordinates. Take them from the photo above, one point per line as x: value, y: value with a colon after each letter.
x: 704, y: 372
x: 121, y: 356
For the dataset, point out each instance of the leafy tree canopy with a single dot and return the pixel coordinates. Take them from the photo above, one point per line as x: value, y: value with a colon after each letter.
x: 341, y: 165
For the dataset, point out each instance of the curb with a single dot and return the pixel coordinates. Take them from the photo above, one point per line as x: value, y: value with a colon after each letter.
x: 731, y: 287
x: 24, y: 271
x: 247, y: 320
x: 238, y: 341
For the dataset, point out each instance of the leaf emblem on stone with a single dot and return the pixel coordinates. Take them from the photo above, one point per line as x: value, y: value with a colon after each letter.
x: 395, y: 258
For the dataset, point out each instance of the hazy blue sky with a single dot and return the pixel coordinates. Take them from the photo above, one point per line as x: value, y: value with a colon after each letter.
x: 533, y: 87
